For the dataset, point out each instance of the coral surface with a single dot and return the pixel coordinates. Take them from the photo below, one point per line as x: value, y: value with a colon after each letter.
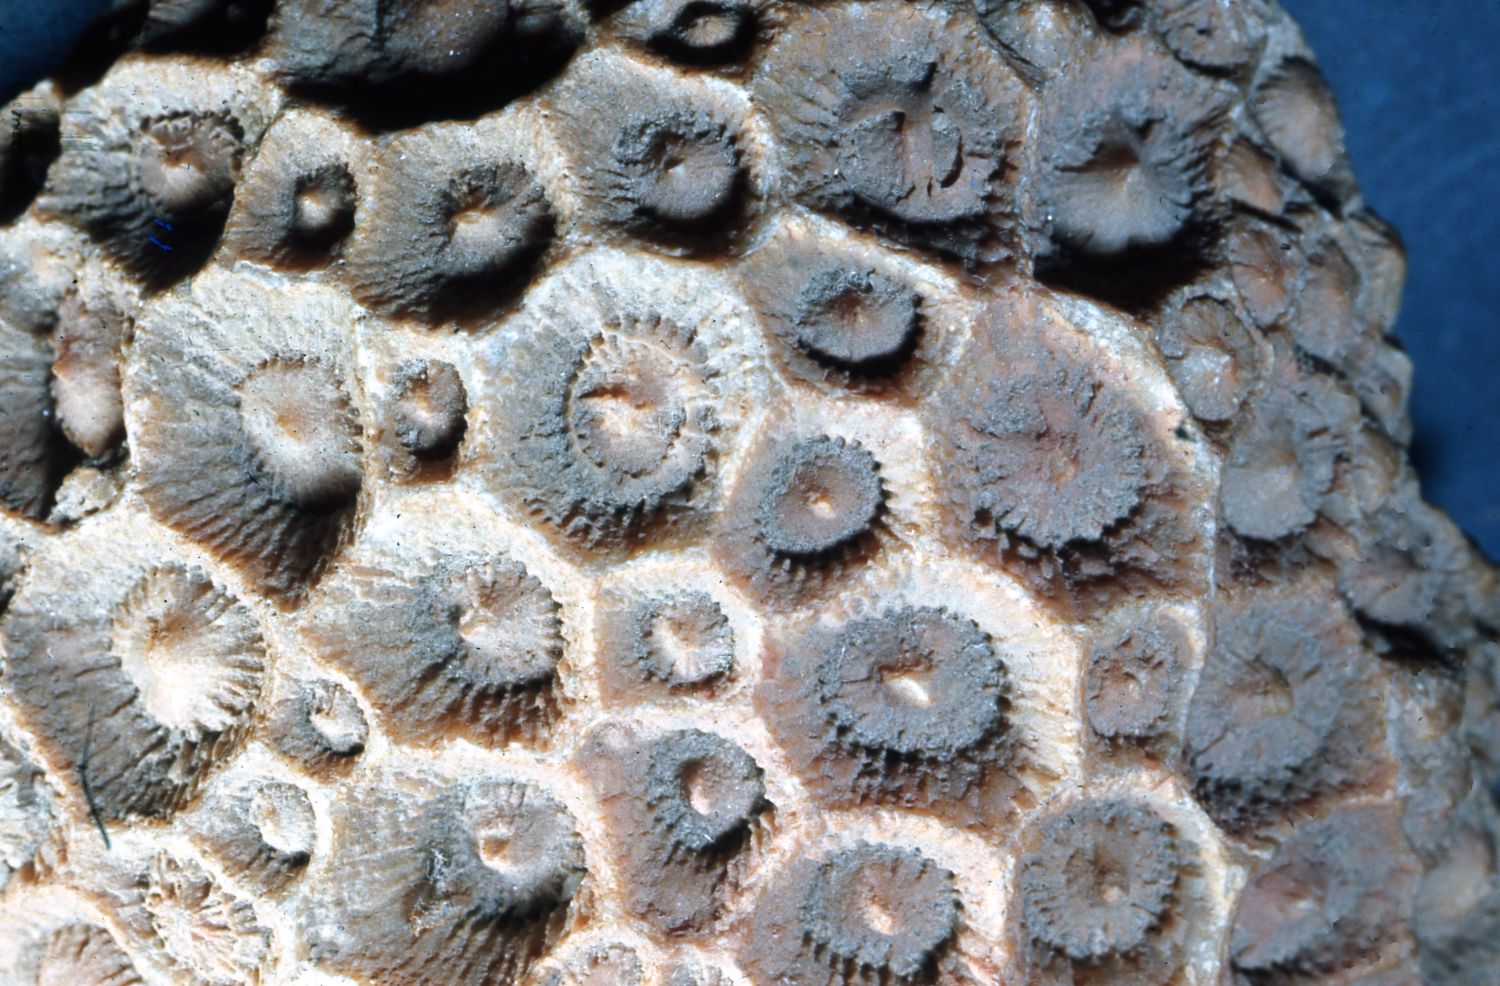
x: 721, y: 493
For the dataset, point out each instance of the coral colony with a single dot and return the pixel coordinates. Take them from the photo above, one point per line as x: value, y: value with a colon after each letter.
x: 720, y: 493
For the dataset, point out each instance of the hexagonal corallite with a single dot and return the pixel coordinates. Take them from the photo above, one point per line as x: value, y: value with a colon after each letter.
x: 75, y: 952
x: 672, y: 639
x: 94, y: 324
x: 446, y: 639
x: 450, y: 221
x: 870, y: 912
x: 1054, y: 465
x: 608, y: 403
x: 810, y: 509
x: 318, y: 724
x: 255, y: 450
x: 1101, y: 882
x: 900, y: 118
x: 1133, y: 686
x: 846, y: 316
x: 1121, y: 191
x: 657, y: 156
x: 32, y: 451
x: 906, y: 707
x: 150, y: 168
x: 423, y: 406
x: 139, y: 671
x: 262, y: 831
x: 686, y: 810
x: 1331, y: 897
x: 474, y: 876
x: 400, y: 60
x: 217, y: 26
x: 697, y: 32
x: 1285, y: 709
x: 296, y: 205
x: 29, y: 811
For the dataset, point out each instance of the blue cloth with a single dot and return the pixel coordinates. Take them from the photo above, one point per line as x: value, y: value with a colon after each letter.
x: 35, y: 35
x: 1418, y: 82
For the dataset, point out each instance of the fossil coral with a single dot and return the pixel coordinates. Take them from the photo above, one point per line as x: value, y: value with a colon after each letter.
x: 76, y: 953
x: 296, y: 204
x: 866, y: 911
x: 447, y: 221
x: 685, y: 810
x: 839, y: 313
x: 472, y: 876
x: 1134, y: 676
x: 721, y: 493
x: 672, y: 640
x: 29, y: 462
x: 462, y: 643
x: 1346, y: 878
x: 1102, y: 881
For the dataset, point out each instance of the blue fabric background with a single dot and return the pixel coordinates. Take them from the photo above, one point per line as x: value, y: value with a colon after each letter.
x: 35, y: 35
x: 1418, y: 82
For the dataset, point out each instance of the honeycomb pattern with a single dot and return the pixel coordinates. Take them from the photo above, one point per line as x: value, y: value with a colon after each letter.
x: 708, y: 492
